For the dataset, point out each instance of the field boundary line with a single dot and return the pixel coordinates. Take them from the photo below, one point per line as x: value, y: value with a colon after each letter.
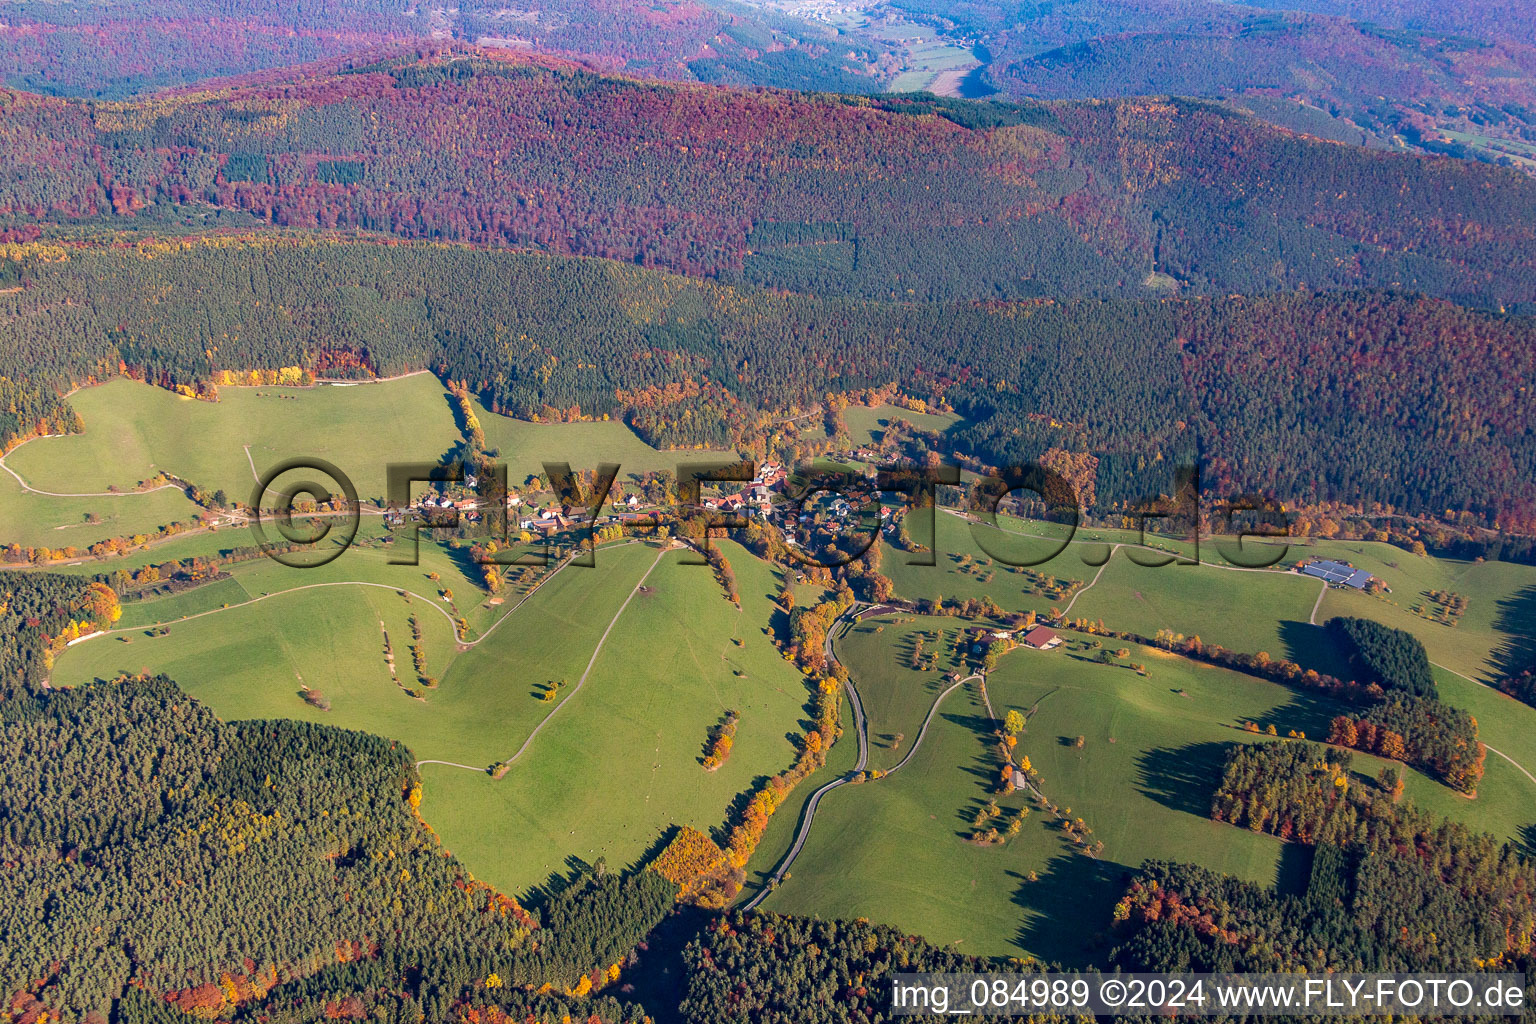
x: 279, y: 593
x: 450, y: 764
x: 917, y: 741
x: 591, y: 662
x: 1067, y: 610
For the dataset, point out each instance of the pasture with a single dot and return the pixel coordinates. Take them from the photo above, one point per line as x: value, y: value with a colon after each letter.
x: 964, y: 567
x: 618, y: 761
x: 134, y: 430
x: 525, y: 446
x: 621, y: 761
x: 897, y: 850
x: 33, y: 520
x: 867, y: 425
x: 897, y: 696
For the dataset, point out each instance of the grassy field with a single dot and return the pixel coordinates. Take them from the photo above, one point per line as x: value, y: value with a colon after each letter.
x: 618, y: 763
x: 866, y: 425
x: 896, y: 850
x: 785, y: 822
x: 38, y: 520
x: 964, y: 569
x: 622, y: 760
x: 1496, y: 635
x: 524, y: 446
x: 1200, y: 599
x: 133, y: 431
x: 251, y: 661
x: 896, y: 696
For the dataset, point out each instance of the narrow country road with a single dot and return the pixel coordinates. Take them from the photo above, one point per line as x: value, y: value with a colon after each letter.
x: 80, y: 494
x: 808, y: 814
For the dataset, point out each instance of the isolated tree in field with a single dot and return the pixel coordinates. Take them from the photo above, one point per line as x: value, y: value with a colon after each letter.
x: 1013, y: 722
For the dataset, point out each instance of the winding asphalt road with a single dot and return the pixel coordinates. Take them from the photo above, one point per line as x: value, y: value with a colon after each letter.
x: 808, y: 814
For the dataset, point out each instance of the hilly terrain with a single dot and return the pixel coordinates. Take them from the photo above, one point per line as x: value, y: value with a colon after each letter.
x: 905, y: 199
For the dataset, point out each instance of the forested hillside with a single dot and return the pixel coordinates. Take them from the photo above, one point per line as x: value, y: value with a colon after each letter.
x: 877, y: 198
x: 255, y: 865
x: 1380, y: 83
x: 1450, y: 78
x: 1358, y: 398
x: 118, y: 49
x: 1391, y: 889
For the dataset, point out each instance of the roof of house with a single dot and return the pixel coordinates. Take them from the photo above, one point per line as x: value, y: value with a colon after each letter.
x: 1040, y: 635
x: 1338, y: 573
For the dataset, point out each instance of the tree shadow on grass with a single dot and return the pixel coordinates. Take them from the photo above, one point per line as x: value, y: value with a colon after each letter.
x: 1527, y: 840
x: 1516, y: 618
x: 1183, y: 778
x: 1069, y: 909
x: 556, y: 883
x: 985, y: 764
x: 1308, y: 711
x: 1313, y: 647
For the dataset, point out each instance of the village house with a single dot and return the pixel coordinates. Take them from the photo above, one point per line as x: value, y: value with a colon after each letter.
x: 1042, y: 638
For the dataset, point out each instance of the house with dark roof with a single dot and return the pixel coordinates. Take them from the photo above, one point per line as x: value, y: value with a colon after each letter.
x: 1338, y: 574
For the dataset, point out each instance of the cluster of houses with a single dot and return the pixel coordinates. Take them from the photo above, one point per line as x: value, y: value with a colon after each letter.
x: 1038, y: 638
x: 838, y: 510
x: 757, y: 496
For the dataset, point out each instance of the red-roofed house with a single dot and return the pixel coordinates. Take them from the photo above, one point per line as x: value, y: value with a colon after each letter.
x: 1042, y: 638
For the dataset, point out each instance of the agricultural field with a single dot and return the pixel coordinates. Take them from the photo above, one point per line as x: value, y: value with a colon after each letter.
x: 897, y: 849
x: 1199, y: 599
x: 134, y: 430
x: 866, y: 425
x: 964, y: 569
x: 1495, y: 634
x: 634, y: 727
x: 622, y: 762
x: 32, y: 520
x: 897, y: 696
x: 525, y: 446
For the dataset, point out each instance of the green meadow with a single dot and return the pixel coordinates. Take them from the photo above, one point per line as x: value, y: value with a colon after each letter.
x: 619, y: 760
x: 867, y: 425
x: 1242, y: 610
x: 897, y: 849
x: 1495, y: 636
x: 42, y: 521
x: 134, y: 430
x: 622, y: 761
x: 964, y: 566
x: 525, y: 446
x: 896, y: 696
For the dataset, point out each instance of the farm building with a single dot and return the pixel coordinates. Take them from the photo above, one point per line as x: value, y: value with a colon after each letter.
x: 1338, y: 574
x: 1042, y: 638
